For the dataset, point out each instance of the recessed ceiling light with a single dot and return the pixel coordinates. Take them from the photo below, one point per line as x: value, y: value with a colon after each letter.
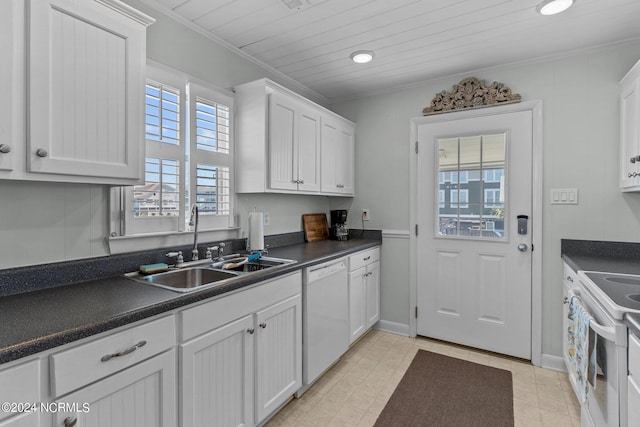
x: 362, y: 56
x: 551, y: 7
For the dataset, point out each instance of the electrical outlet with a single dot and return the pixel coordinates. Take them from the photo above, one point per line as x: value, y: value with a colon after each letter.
x: 266, y: 218
x: 365, y: 215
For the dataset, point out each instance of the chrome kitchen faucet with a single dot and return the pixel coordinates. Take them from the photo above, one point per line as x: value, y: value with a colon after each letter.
x: 193, y: 222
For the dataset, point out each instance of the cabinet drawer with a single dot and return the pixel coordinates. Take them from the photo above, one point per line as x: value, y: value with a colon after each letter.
x: 634, y: 357
x: 20, y: 384
x: 76, y: 367
x: 211, y: 315
x: 363, y: 258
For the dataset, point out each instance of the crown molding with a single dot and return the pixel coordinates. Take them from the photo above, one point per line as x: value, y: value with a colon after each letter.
x: 298, y: 87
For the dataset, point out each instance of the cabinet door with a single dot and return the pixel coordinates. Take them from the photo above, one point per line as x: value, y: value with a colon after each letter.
x: 142, y: 396
x: 86, y: 64
x: 283, y: 170
x: 28, y: 419
x: 629, y: 133
x: 217, y: 377
x: 357, y: 302
x: 373, y: 294
x: 329, y: 156
x: 278, y: 355
x: 345, y: 163
x: 309, y: 150
x: 337, y: 163
x: 11, y: 80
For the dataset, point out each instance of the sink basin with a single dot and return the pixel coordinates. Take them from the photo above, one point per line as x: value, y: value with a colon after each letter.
x: 199, y: 276
x: 188, y: 279
x: 257, y: 265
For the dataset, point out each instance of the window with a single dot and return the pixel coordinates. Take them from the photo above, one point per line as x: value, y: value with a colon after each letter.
x: 189, y: 157
x: 459, y: 198
x: 471, y: 174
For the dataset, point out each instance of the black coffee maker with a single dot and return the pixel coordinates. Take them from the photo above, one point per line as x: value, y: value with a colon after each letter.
x: 339, y: 230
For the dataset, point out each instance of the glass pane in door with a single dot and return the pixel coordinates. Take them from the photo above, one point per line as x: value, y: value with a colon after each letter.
x: 470, y: 193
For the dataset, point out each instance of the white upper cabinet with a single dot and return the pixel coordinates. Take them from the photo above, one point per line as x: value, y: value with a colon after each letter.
x: 294, y: 145
x: 11, y: 83
x: 278, y: 139
x: 82, y: 118
x: 630, y: 130
x: 337, y: 147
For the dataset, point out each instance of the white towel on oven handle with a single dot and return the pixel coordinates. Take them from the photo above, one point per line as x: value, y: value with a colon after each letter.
x: 582, y: 347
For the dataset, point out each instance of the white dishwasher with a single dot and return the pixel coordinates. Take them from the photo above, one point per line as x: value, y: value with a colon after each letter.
x: 325, y: 320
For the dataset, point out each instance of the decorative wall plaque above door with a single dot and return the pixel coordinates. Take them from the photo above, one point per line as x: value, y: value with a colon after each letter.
x: 471, y: 93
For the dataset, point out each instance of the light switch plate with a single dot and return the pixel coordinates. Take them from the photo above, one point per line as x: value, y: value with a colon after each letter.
x: 564, y: 196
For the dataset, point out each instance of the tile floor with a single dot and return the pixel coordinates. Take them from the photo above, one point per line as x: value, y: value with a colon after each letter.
x: 357, y: 388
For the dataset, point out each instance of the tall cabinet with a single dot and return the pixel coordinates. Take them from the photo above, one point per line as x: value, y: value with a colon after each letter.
x: 630, y: 130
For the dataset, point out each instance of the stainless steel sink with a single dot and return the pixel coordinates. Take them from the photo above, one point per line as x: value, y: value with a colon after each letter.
x: 204, y: 274
x: 257, y: 265
x: 187, y: 279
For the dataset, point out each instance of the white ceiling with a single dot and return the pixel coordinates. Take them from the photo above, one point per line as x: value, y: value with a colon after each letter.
x: 414, y: 40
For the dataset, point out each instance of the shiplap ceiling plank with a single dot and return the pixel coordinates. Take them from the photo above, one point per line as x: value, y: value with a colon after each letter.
x: 414, y: 40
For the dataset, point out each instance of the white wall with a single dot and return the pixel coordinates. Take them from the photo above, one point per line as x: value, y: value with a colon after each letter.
x: 581, y: 113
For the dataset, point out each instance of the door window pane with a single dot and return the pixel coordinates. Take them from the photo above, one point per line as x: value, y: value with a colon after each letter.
x: 471, y: 198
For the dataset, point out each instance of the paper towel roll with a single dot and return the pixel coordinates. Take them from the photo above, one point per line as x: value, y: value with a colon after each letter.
x: 256, y: 231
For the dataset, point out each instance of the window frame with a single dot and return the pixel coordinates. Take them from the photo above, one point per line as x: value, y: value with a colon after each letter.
x: 124, y: 227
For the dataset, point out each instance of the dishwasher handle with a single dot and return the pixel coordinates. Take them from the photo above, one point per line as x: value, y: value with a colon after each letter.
x: 320, y: 272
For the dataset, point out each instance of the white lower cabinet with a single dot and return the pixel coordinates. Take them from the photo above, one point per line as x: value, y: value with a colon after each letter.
x: 20, y: 384
x: 238, y: 360
x: 364, y: 292
x: 142, y: 396
x: 279, y: 355
x: 217, y: 376
x: 244, y: 369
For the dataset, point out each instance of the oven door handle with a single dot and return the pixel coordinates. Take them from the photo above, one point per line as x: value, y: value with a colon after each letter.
x: 606, y: 332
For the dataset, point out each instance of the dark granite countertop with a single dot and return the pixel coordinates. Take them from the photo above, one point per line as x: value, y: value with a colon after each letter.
x: 608, y: 257
x: 39, y: 320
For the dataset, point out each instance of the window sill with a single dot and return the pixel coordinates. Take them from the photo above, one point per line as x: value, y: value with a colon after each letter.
x: 150, y: 241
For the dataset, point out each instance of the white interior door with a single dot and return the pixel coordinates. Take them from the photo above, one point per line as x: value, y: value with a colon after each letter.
x: 474, y: 179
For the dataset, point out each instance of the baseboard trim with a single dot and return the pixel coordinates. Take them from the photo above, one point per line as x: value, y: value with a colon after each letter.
x: 393, y: 327
x: 552, y: 362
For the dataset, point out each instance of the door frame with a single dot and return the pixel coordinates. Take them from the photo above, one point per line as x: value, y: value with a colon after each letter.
x: 537, y: 194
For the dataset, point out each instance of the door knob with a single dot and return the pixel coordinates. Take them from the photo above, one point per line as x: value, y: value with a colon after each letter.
x: 522, y: 247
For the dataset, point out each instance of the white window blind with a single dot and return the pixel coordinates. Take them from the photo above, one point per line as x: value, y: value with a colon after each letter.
x: 189, y: 157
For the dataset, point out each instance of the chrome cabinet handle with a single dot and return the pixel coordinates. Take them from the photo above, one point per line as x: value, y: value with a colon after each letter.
x: 565, y: 300
x: 5, y: 148
x: 569, y: 279
x: 263, y: 325
x: 70, y: 421
x: 41, y: 152
x: 340, y: 185
x: 251, y: 330
x: 131, y: 349
x: 366, y: 258
x: 301, y: 181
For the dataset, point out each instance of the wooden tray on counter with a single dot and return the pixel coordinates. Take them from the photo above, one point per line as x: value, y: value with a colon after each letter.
x: 315, y: 227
